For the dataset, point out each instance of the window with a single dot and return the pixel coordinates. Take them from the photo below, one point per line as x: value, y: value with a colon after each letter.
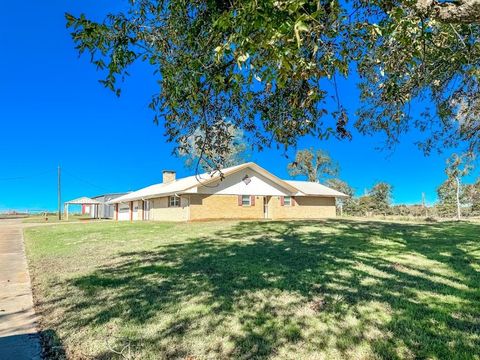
x: 287, y: 201
x: 174, y: 201
x: 246, y: 200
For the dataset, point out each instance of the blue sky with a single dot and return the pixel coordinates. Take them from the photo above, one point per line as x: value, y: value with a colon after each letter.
x: 53, y: 111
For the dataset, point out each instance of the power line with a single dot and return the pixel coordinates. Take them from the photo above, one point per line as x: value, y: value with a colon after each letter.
x: 83, y: 180
x: 26, y: 177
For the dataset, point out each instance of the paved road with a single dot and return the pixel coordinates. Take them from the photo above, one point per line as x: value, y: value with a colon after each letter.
x: 19, y: 338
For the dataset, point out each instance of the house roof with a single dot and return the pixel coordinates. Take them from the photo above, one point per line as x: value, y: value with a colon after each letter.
x: 315, y: 189
x: 83, y: 201
x: 251, y: 165
x: 184, y: 184
x: 110, y: 194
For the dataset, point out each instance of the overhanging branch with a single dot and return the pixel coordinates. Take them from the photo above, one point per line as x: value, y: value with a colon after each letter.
x: 462, y: 12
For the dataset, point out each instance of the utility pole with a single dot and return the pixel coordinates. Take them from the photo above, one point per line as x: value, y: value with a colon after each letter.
x: 59, y: 194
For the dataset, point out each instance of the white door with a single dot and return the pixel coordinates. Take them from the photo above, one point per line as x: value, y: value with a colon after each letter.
x: 265, y: 206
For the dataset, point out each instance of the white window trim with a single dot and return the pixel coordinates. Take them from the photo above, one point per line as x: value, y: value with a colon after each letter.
x: 175, y: 203
x: 249, y: 200
x: 289, y: 201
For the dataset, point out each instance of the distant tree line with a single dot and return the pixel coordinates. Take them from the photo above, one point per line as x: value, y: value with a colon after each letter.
x: 455, y: 198
x: 376, y: 201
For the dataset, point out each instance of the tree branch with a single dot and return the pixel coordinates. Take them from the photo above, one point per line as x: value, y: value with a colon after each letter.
x: 461, y: 12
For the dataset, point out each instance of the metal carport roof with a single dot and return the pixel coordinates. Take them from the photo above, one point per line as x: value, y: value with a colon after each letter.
x: 83, y: 201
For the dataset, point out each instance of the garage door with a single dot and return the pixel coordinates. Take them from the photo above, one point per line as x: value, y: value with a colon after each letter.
x: 124, y: 212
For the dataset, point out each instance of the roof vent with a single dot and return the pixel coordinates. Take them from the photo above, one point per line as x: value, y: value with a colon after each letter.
x: 168, y: 176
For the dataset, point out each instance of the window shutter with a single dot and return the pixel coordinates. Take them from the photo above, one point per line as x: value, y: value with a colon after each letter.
x: 168, y: 201
x: 293, y: 201
x: 252, y: 200
x: 282, y: 200
x: 239, y: 200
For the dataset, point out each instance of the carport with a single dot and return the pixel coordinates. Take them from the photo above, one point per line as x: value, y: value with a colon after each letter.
x: 81, y: 201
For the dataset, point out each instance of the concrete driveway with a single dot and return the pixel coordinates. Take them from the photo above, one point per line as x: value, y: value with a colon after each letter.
x: 19, y: 337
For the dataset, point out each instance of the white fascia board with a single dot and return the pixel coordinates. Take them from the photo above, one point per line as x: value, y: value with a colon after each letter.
x: 193, y: 190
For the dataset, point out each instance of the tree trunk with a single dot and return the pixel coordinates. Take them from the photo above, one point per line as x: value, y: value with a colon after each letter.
x: 313, y: 176
x: 461, y: 11
x: 458, y: 197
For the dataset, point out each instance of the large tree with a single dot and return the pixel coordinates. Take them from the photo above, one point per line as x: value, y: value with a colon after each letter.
x: 381, y: 194
x: 201, y: 154
x: 265, y: 64
x: 447, y: 204
x: 377, y: 200
x: 450, y: 193
x: 315, y: 165
x: 344, y: 206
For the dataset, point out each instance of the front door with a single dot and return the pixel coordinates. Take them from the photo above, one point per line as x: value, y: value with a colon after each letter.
x: 265, y: 206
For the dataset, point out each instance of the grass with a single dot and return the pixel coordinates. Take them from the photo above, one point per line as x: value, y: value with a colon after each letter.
x: 333, y: 289
x: 53, y: 218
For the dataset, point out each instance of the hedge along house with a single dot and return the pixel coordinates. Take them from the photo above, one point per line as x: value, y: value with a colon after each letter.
x: 245, y: 191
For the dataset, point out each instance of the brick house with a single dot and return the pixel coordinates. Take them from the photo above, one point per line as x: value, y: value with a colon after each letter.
x: 244, y: 191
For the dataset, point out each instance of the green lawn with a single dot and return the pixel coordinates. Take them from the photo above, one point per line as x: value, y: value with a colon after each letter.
x: 53, y: 218
x: 334, y: 289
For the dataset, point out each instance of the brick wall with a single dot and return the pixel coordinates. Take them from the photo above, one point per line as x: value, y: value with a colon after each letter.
x: 223, y: 207
x: 304, y: 208
x: 160, y: 211
x: 204, y: 207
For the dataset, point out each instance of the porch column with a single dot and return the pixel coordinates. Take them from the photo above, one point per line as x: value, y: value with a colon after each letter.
x: 131, y: 210
x: 116, y: 212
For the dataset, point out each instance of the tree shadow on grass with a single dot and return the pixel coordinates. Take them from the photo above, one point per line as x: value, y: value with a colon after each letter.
x: 288, y: 289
